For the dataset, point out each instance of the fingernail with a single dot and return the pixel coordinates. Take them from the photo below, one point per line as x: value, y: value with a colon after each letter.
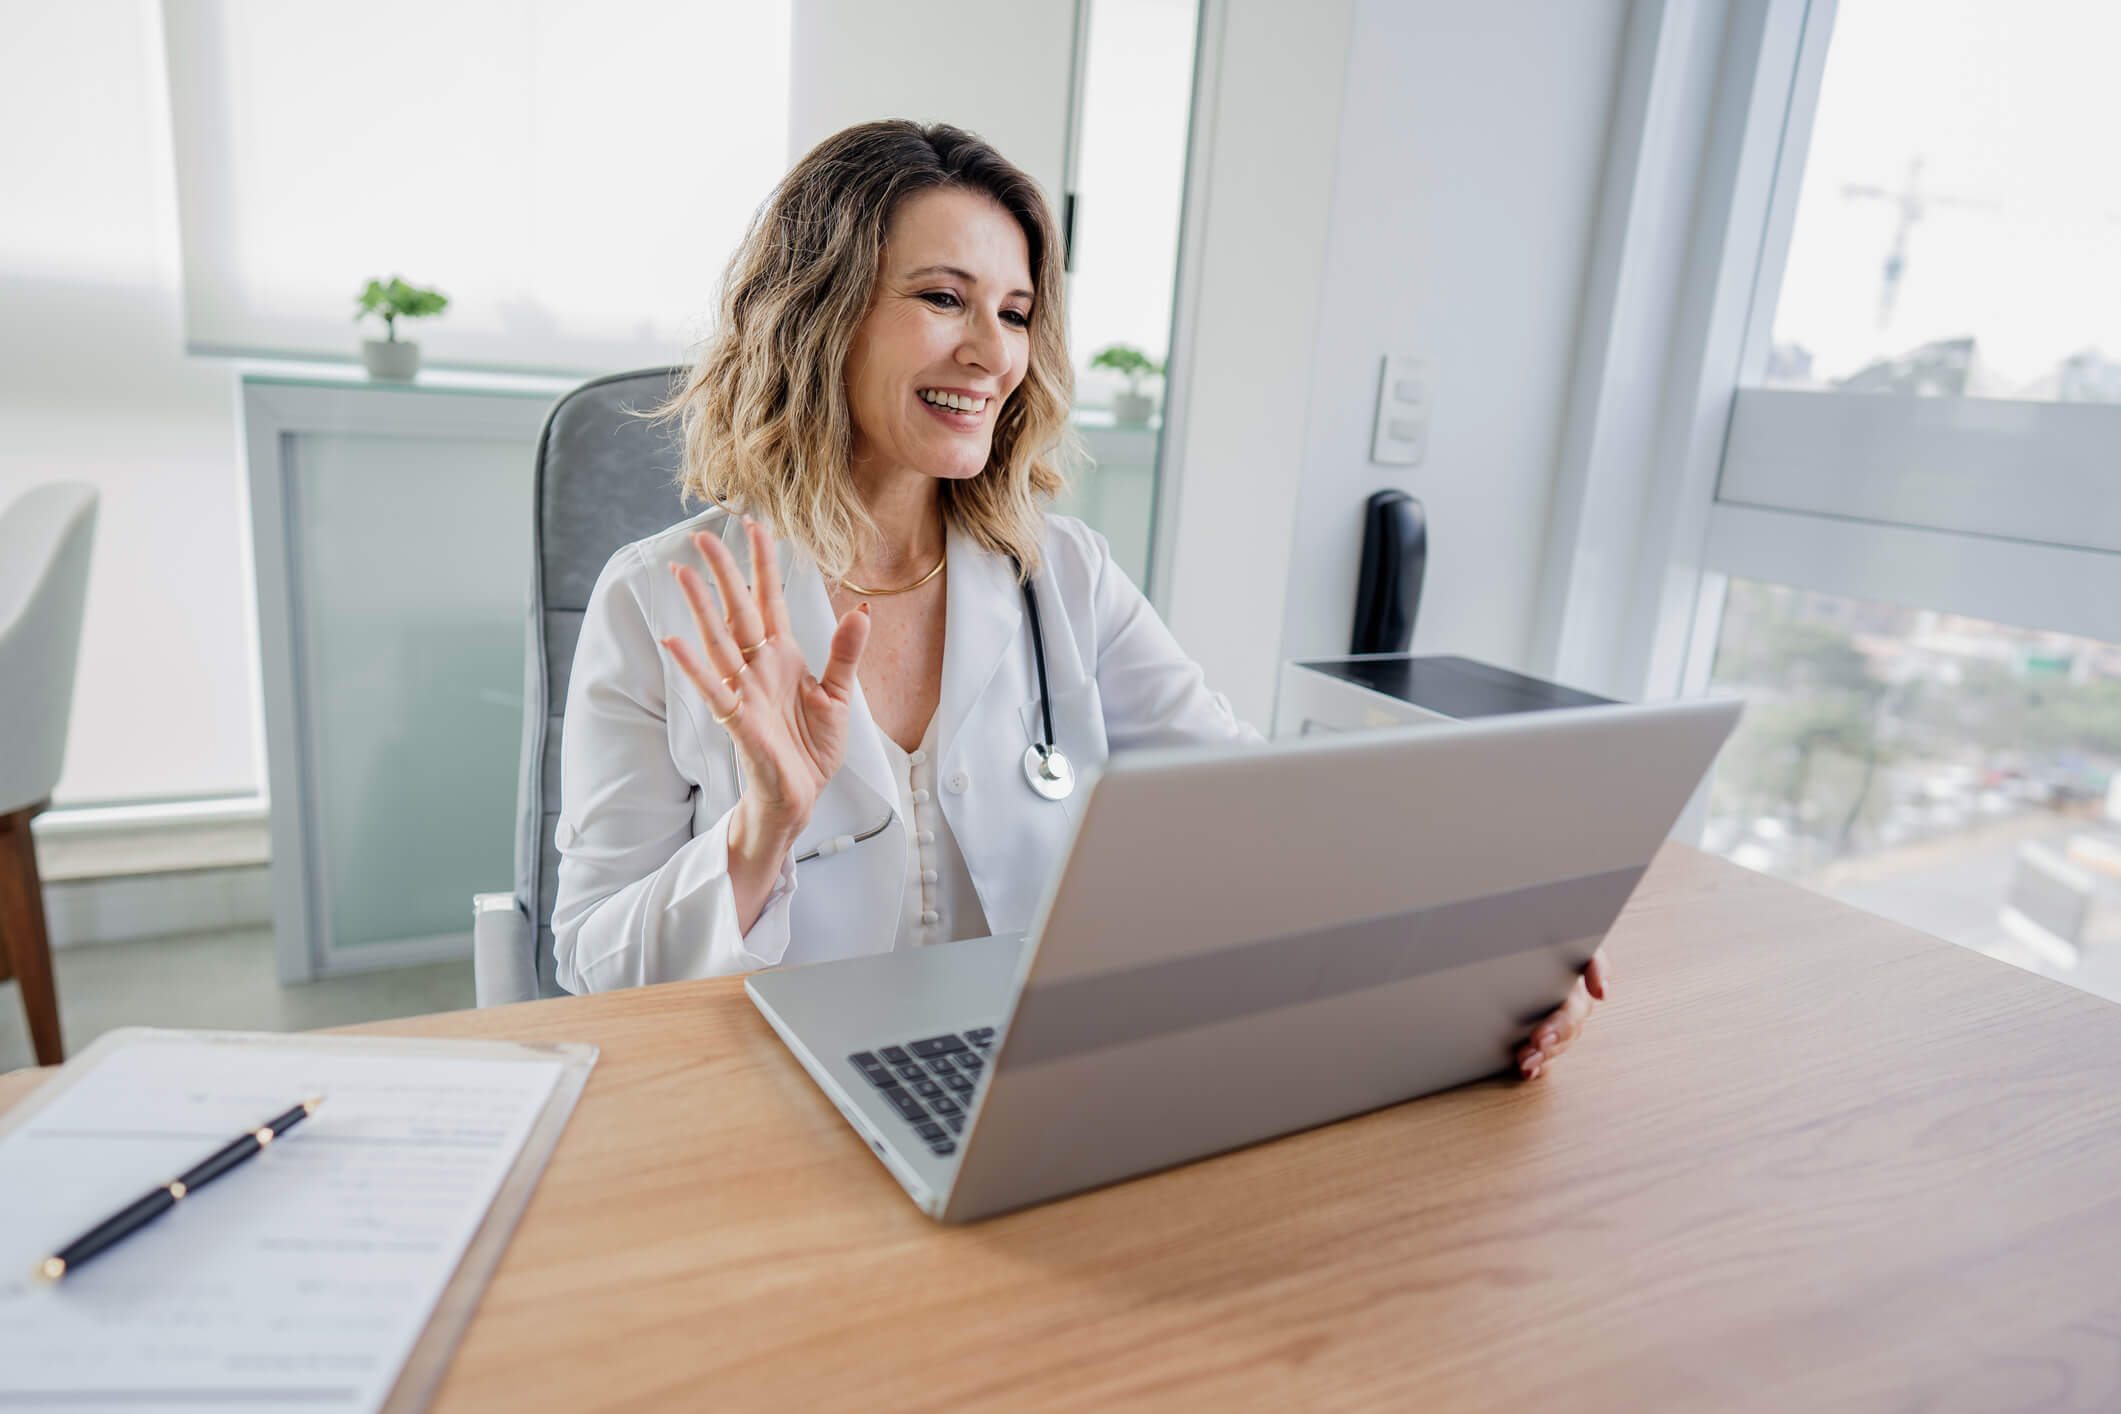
x: 865, y: 608
x: 1545, y: 1040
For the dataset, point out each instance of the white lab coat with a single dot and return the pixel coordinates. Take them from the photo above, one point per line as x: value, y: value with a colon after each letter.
x: 647, y: 781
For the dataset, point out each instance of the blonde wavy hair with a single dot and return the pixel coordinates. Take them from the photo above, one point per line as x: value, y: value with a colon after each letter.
x: 763, y: 411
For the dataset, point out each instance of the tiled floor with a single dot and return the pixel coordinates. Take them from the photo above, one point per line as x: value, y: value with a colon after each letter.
x: 221, y: 980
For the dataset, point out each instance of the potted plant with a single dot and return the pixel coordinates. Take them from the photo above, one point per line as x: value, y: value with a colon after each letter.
x: 387, y: 357
x: 1131, y: 406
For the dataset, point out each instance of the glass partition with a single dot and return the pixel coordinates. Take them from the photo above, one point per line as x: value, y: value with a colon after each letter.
x: 1131, y: 135
x: 412, y: 655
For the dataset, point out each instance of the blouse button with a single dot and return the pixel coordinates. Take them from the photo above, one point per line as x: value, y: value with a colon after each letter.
x: 919, y: 758
x: 928, y: 916
x: 957, y: 782
x: 920, y: 797
x: 927, y: 876
x: 926, y: 837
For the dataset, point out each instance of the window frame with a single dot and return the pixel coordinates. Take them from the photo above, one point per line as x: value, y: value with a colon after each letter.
x: 1998, y: 509
x: 1680, y: 470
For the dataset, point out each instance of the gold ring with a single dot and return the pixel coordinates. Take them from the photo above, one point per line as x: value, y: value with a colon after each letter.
x: 723, y: 721
x: 730, y: 682
x: 747, y: 652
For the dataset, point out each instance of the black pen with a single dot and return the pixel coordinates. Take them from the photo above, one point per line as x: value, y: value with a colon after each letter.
x: 134, y: 1216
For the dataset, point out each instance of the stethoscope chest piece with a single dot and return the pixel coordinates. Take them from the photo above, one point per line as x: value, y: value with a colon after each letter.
x: 1048, y: 771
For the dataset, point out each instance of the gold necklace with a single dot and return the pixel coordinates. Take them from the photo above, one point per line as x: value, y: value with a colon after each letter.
x: 908, y: 589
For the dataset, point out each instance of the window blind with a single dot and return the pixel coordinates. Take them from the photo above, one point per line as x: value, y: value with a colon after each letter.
x: 572, y: 175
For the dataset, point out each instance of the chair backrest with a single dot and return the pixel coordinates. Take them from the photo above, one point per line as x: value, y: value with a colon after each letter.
x: 44, y: 544
x: 605, y: 477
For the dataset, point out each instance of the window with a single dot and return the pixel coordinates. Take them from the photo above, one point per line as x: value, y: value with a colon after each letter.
x: 1990, y: 307
x: 572, y: 175
x: 1135, y: 105
x: 1919, y: 592
x: 1960, y: 208
x: 1957, y: 775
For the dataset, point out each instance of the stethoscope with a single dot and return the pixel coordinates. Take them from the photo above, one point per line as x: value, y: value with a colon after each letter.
x: 1046, y: 766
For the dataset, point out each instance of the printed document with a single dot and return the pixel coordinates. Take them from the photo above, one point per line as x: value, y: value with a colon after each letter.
x: 301, y: 1279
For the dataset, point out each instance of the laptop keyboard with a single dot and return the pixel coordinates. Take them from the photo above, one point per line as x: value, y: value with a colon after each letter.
x: 931, y: 1082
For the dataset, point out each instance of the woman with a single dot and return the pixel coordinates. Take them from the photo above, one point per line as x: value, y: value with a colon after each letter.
x: 882, y: 404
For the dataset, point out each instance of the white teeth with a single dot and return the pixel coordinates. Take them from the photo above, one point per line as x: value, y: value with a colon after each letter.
x: 956, y: 401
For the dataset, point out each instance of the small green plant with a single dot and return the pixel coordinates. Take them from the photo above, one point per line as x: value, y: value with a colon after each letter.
x: 1129, y: 360
x: 398, y: 300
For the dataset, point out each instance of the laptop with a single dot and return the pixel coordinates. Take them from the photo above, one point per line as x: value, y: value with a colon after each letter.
x: 1243, y: 942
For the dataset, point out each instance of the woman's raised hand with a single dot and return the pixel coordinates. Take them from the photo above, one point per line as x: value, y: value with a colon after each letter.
x: 789, y: 728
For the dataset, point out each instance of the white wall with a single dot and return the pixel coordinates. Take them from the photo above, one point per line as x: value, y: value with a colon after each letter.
x: 1465, y: 194
x: 1388, y: 176
x: 94, y: 387
x: 1002, y: 70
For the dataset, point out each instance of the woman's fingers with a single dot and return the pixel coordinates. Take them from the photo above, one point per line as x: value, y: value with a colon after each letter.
x: 1596, y: 975
x: 848, y: 641
x: 721, y: 649
x: 713, y: 691
x: 744, y: 621
x: 766, y: 580
x: 1555, y: 1032
x: 1561, y: 1028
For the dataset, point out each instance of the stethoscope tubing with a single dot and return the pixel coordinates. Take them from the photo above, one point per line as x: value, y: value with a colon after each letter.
x: 1046, y: 746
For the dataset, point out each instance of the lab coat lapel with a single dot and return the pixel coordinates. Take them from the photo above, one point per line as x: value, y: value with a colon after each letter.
x: 1011, y: 838
x: 985, y: 615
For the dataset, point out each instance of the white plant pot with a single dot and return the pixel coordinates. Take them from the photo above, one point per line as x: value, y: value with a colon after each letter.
x: 1132, y: 409
x: 397, y: 359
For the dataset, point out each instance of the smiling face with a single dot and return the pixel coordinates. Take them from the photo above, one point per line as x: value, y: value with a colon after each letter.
x: 946, y: 340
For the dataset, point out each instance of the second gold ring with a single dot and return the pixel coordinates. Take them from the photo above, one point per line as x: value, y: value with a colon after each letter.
x: 726, y: 717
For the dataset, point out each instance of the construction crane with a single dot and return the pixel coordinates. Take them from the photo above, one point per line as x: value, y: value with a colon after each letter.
x: 1913, y: 203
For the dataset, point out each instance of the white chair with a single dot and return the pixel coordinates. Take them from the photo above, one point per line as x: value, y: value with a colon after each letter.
x: 44, y: 545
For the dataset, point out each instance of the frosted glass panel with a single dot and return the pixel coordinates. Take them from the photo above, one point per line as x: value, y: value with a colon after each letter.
x: 1116, y: 492
x: 411, y: 556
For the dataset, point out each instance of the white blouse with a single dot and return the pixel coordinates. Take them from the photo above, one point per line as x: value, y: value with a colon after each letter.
x: 939, y: 904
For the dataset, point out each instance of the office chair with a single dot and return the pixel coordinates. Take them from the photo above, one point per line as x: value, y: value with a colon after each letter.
x: 44, y: 546
x: 604, y: 478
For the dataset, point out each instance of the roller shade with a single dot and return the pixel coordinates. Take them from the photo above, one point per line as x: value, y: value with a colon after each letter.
x: 572, y: 175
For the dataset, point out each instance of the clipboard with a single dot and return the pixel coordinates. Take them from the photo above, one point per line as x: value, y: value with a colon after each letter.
x: 428, y: 1359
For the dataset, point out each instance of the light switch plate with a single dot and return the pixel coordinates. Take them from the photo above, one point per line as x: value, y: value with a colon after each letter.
x: 1406, y: 386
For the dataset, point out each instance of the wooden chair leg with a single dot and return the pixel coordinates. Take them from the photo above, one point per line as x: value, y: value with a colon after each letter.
x: 22, y: 934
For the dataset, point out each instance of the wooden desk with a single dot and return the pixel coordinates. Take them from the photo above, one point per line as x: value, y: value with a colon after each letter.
x: 1805, y: 1159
